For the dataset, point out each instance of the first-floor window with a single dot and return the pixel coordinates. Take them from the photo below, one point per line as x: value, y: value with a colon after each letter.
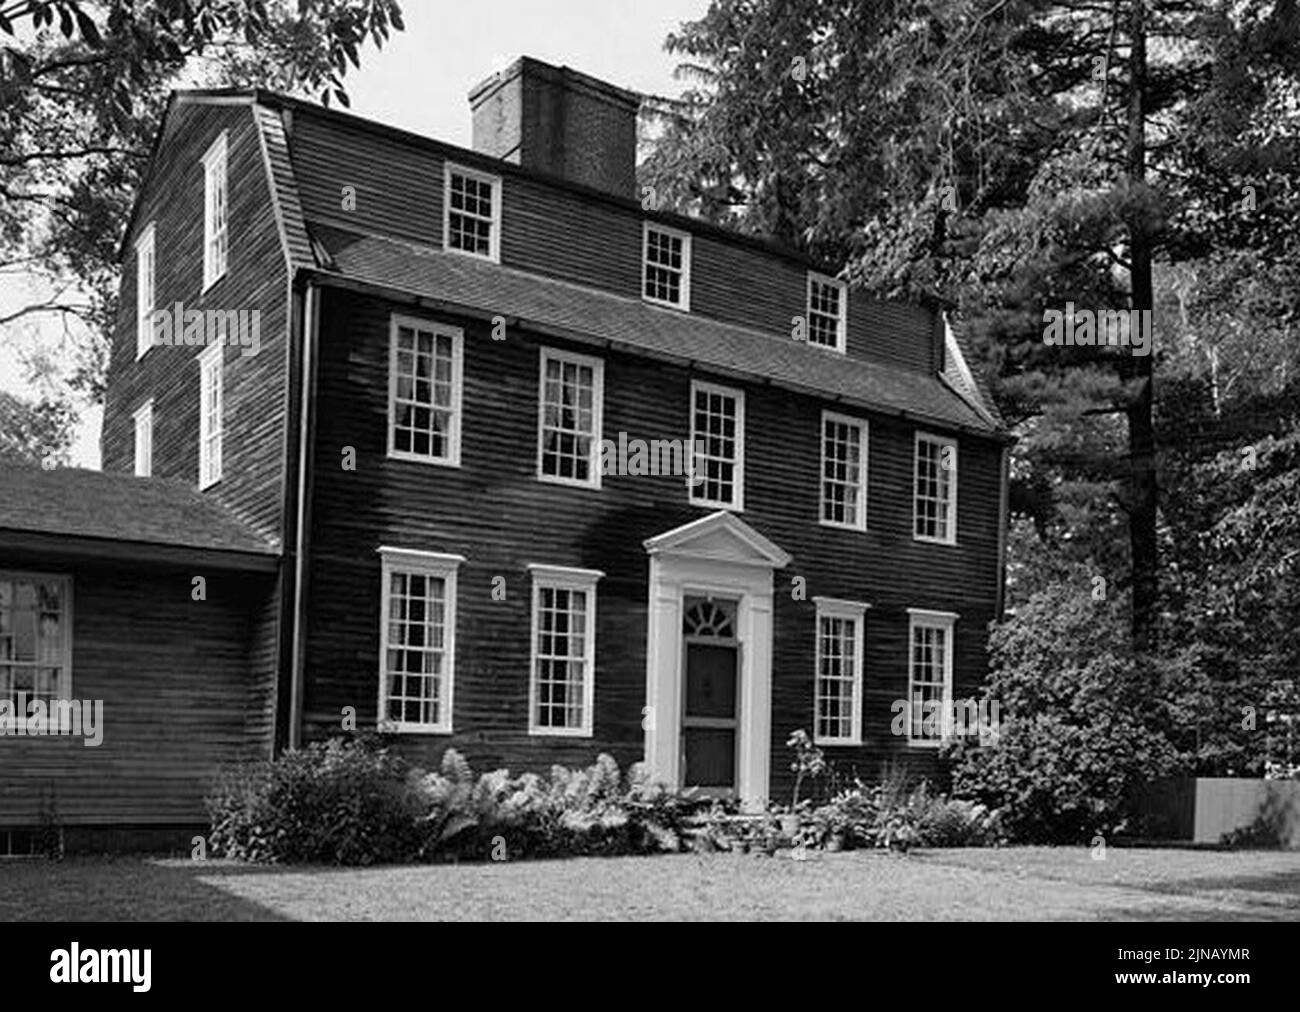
x: 929, y: 680
x: 837, y: 707
x: 144, y: 439
x: 35, y: 639
x: 417, y: 640
x: 564, y: 650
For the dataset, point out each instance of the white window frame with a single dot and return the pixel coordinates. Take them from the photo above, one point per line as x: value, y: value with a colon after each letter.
x: 65, y: 631
x: 438, y: 565
x: 145, y: 290
x: 841, y: 323
x: 860, y: 523
x: 855, y: 612
x: 738, y: 480
x: 494, y: 236
x: 216, y: 242
x: 457, y: 335
x: 942, y: 442
x: 597, y: 367
x: 924, y: 618
x: 142, y: 420
x: 211, y: 371
x: 685, y: 280
x: 564, y: 578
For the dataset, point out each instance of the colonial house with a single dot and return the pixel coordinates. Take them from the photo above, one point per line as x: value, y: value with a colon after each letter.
x: 476, y: 449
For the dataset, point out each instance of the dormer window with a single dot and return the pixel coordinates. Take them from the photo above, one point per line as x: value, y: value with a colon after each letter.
x: 828, y: 312
x: 666, y: 270
x: 471, y: 216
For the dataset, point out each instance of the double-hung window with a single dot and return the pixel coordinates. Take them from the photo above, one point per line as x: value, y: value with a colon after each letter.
x: 215, y: 212
x: 666, y: 266
x: 935, y: 503
x: 563, y: 684
x: 417, y: 652
x: 144, y: 291
x: 569, y: 418
x: 828, y: 312
x: 472, y: 212
x: 718, y: 445
x: 210, y: 415
x: 837, y: 692
x: 35, y: 639
x: 424, y: 391
x: 929, y: 675
x: 143, y: 419
x: 844, y: 472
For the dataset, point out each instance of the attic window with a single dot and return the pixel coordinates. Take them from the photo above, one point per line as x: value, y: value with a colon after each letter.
x: 472, y: 213
x: 828, y: 312
x: 215, y: 233
x: 666, y: 258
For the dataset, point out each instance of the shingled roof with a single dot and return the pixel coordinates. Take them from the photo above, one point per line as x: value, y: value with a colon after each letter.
x: 603, y: 318
x: 76, y: 503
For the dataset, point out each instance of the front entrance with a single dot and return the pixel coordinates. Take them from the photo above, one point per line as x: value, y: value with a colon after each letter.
x: 711, y: 702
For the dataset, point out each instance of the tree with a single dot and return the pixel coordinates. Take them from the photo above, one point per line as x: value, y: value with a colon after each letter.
x: 82, y: 90
x: 34, y: 432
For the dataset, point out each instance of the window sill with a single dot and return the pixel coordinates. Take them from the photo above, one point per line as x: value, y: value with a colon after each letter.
x: 415, y: 458
x: 550, y: 479
x: 837, y: 526
x: 952, y: 543
x: 559, y: 732
x: 396, y: 728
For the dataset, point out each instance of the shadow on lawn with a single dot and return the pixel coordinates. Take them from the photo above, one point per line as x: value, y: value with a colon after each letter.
x: 1274, y: 897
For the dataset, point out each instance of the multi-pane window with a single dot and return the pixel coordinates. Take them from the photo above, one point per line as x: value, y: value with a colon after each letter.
x: 215, y: 212
x: 472, y: 212
x: 210, y: 420
x: 570, y: 418
x: 929, y: 677
x: 844, y: 471
x: 667, y: 266
x: 935, y: 511
x: 828, y: 311
x: 143, y: 418
x: 424, y: 393
x: 35, y: 641
x: 564, y: 650
x: 417, y: 640
x: 837, y: 696
x: 144, y: 291
x: 718, y: 442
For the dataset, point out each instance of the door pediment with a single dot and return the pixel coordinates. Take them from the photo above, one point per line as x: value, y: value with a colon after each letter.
x: 722, y: 537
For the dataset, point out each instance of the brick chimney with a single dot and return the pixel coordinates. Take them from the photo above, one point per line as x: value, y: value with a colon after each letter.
x: 559, y: 121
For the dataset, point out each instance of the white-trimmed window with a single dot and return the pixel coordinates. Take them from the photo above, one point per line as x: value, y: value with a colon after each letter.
x: 562, y: 689
x: 844, y: 472
x: 210, y: 415
x: 718, y: 443
x: 828, y: 312
x: 666, y: 266
x: 35, y: 638
x: 417, y: 640
x: 935, y: 509
x: 837, y: 693
x: 143, y: 418
x: 471, y: 217
x: 424, y: 391
x: 569, y: 418
x: 929, y: 674
x: 215, y: 212
x: 144, y: 291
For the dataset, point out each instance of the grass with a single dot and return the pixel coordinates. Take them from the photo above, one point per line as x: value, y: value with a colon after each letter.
x: 1023, y: 883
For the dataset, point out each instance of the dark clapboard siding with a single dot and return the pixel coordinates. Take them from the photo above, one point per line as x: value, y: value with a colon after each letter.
x: 569, y: 233
x: 187, y: 686
x: 254, y: 385
x: 493, y: 511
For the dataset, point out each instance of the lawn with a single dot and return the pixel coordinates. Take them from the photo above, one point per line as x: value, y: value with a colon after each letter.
x: 1022, y: 883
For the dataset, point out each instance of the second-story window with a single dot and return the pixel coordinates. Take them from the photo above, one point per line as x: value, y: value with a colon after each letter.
x: 143, y: 419
x: 144, y: 291
x: 215, y: 232
x: 718, y: 440
x: 210, y: 410
x: 472, y: 212
x: 569, y: 418
x: 935, y: 511
x: 666, y: 259
x: 828, y: 312
x: 424, y: 391
x: 844, y: 471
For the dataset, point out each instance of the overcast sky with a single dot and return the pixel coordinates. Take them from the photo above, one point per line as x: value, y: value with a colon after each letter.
x: 421, y: 78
